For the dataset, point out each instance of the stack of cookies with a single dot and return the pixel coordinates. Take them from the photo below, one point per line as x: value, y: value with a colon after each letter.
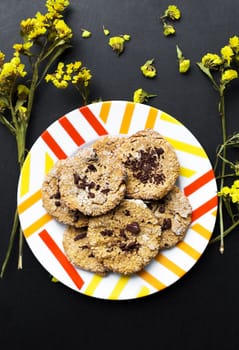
x: 119, y: 201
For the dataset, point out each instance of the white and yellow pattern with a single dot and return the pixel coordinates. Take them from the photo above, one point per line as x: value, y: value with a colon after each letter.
x: 81, y: 127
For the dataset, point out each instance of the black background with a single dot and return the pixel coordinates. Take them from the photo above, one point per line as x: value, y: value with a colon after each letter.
x: 201, y: 309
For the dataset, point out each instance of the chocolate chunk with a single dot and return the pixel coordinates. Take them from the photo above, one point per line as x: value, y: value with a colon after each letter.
x: 127, y: 212
x: 91, y: 195
x: 133, y: 227
x: 107, y: 232
x: 122, y: 233
x: 91, y: 167
x: 80, y: 236
x: 167, y: 224
x: 162, y: 209
x: 57, y: 203
x: 76, y: 178
x: 130, y: 246
x: 105, y: 191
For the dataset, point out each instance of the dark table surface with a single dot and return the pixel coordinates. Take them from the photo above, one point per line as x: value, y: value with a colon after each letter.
x: 200, y: 310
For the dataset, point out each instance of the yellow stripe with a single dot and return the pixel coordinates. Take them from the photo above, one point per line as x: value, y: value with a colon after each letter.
x: 187, y: 147
x: 202, y: 231
x: 123, y: 280
x: 104, y: 111
x: 186, y: 172
x: 214, y: 213
x: 127, y: 117
x: 25, y: 176
x: 151, y: 119
x: 168, y: 118
x: 29, y: 202
x: 150, y: 279
x: 170, y: 265
x: 36, y: 225
x: 186, y: 248
x: 95, y: 281
x: 143, y: 292
x: 49, y: 162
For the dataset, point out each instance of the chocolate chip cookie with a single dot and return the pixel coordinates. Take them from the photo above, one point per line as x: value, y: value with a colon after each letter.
x: 151, y: 163
x: 52, y: 199
x: 107, y: 145
x: 174, y: 215
x: 92, y: 183
x: 127, y: 238
x: 78, y: 251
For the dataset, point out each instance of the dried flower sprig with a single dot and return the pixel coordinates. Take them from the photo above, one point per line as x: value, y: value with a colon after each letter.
x: 148, y: 69
x: 183, y: 63
x: 222, y: 70
x: 117, y: 43
x: 44, y: 38
x: 171, y: 13
x: 141, y: 96
x: 72, y: 73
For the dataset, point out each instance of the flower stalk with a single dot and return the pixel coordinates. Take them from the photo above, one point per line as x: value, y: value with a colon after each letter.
x: 44, y: 39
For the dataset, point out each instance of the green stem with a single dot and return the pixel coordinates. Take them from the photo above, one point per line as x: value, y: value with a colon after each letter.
x: 226, y: 232
x: 224, y: 138
x: 10, y: 244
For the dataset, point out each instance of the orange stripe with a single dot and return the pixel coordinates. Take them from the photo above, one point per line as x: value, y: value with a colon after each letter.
x: 202, y: 231
x: 202, y: 180
x: 93, y: 121
x: 186, y: 248
x: 151, y: 280
x: 70, y: 129
x: 104, y: 111
x: 127, y: 117
x: 59, y: 255
x: 163, y: 260
x: 53, y: 145
x: 203, y: 209
x: 151, y: 119
x: 29, y: 201
x: 44, y: 219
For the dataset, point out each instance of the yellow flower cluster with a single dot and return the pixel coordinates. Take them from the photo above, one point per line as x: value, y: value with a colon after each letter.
x: 72, y: 72
x: 173, y: 12
x: 224, y: 62
x: 49, y: 24
x: 10, y: 71
x: 231, y: 192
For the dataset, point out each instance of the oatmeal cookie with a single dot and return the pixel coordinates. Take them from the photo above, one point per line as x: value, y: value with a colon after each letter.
x: 78, y: 251
x: 92, y: 183
x: 127, y: 238
x: 151, y: 163
x: 174, y: 215
x: 52, y: 199
x: 107, y: 145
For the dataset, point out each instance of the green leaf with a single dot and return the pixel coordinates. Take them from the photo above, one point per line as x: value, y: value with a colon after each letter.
x: 207, y: 72
x: 179, y: 53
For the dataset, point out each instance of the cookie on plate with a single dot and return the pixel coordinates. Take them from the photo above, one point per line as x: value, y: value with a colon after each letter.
x: 107, y: 145
x: 127, y: 238
x: 174, y: 214
x: 151, y: 163
x: 52, y: 199
x: 92, y: 183
x: 78, y: 251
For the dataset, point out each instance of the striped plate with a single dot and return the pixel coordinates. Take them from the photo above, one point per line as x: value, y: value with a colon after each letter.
x: 81, y: 127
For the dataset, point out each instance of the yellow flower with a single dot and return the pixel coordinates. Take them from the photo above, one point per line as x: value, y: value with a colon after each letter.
x: 32, y: 28
x: 22, y: 91
x: 229, y: 75
x: 126, y: 37
x: 62, y: 29
x: 184, y: 66
x: 23, y: 48
x: 227, y: 54
x: 148, y: 69
x: 234, y: 43
x: 2, y: 58
x: 225, y: 191
x: 117, y: 44
x: 141, y: 96
x: 85, y: 33
x: 82, y: 77
x: 211, y: 61
x: 106, y: 31
x: 12, y: 69
x: 168, y: 29
x: 22, y: 112
x: 173, y: 12
x: 56, y: 5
